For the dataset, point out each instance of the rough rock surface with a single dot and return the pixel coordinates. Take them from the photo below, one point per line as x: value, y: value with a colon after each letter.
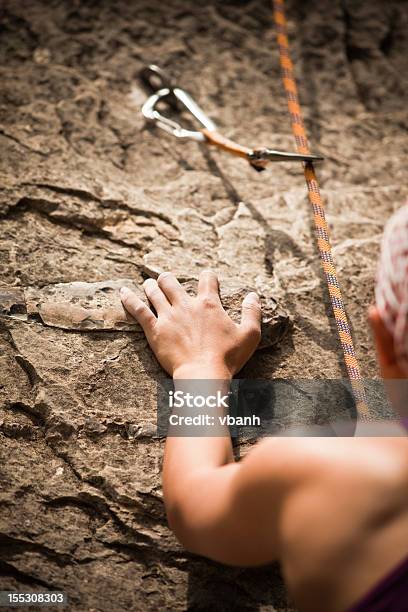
x: 89, y: 193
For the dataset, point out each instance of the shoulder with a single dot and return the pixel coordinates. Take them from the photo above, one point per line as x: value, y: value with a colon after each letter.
x: 287, y: 459
x: 291, y: 463
x: 275, y: 467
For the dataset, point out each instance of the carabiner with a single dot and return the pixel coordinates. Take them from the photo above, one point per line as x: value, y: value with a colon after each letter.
x: 164, y: 91
x: 172, y: 127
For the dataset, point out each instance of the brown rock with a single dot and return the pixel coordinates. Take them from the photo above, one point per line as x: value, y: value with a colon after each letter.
x: 89, y: 192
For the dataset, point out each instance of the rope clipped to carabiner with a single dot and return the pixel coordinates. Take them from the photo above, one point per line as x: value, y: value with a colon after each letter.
x: 177, y: 98
x: 322, y: 229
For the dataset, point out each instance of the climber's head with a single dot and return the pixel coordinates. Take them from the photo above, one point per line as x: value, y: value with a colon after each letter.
x: 389, y: 316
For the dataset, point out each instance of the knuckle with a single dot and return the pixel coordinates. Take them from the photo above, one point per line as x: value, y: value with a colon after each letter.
x: 208, y: 302
x: 253, y: 307
x: 129, y: 301
x: 155, y: 292
x: 138, y: 308
x: 253, y: 332
x: 185, y: 302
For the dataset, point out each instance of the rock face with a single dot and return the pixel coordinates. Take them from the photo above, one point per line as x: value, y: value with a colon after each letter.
x: 90, y: 193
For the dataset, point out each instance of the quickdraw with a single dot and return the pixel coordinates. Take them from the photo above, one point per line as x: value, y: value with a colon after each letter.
x: 176, y: 97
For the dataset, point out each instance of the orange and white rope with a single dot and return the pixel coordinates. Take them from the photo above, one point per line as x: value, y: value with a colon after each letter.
x: 322, y: 230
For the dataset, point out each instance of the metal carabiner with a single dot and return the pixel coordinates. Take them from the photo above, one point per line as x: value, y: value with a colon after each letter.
x: 157, y: 81
x: 172, y: 127
x: 163, y: 90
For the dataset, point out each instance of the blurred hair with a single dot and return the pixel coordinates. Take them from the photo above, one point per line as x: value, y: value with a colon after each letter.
x: 392, y: 283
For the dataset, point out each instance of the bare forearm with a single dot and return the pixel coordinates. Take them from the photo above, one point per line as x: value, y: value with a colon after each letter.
x: 188, y: 458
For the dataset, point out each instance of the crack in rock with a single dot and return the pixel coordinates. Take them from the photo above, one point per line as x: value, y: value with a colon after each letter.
x: 86, y: 307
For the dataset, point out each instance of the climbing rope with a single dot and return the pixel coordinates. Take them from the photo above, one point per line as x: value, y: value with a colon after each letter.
x: 322, y: 230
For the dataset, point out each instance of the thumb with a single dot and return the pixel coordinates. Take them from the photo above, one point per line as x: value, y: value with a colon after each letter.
x: 251, y: 314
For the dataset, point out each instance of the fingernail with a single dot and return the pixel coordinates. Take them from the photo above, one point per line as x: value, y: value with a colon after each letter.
x: 253, y: 297
x: 124, y: 292
x: 149, y: 281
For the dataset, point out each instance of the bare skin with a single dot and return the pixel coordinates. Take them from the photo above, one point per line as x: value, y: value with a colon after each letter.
x: 334, y: 512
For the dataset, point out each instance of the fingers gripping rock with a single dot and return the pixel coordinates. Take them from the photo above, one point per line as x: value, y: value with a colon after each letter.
x: 97, y: 307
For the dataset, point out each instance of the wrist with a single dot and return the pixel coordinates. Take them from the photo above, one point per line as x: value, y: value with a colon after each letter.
x: 202, y: 370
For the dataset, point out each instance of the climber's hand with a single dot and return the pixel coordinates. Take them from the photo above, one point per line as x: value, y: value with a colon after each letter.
x: 193, y: 337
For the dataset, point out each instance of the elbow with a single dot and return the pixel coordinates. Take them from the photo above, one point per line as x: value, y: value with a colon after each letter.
x: 183, y: 529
